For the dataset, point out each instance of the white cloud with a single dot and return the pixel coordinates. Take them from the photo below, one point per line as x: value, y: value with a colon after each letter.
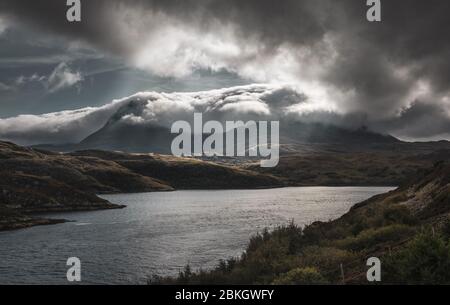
x: 3, y: 26
x: 58, y: 127
x: 243, y: 103
x: 251, y: 102
x: 329, y: 70
x: 22, y: 80
x: 170, y: 48
x: 5, y: 87
x: 62, y: 77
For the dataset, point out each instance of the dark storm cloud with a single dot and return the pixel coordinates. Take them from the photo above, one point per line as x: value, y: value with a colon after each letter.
x: 50, y: 15
x: 372, y: 69
x: 416, y: 33
x: 273, y: 24
x: 420, y: 121
x: 411, y: 30
x: 412, y: 36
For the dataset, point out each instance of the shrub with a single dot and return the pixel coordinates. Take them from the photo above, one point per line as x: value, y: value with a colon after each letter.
x: 398, y: 214
x: 425, y: 260
x: 291, y: 235
x: 325, y: 258
x: 300, y: 276
x: 446, y: 229
x: 370, y: 238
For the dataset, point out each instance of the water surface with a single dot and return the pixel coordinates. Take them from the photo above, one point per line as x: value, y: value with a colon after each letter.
x: 159, y: 233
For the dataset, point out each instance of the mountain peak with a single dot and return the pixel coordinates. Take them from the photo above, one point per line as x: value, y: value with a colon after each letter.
x: 132, y: 108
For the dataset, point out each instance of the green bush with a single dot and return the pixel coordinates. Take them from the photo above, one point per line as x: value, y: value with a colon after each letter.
x: 325, y: 258
x: 425, y: 260
x: 370, y: 238
x: 301, y: 276
x: 398, y: 215
x: 291, y: 235
x: 446, y: 229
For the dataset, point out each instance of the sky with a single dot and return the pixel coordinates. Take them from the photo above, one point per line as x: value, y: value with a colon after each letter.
x: 392, y: 76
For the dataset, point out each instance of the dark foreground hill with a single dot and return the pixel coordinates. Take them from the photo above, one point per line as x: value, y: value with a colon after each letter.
x: 41, y: 181
x: 408, y: 229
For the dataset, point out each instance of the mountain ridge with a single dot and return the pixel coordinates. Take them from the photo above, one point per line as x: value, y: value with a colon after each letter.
x: 122, y: 133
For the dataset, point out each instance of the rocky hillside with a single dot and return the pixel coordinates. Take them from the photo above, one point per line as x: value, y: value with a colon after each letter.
x: 41, y: 181
x: 427, y: 197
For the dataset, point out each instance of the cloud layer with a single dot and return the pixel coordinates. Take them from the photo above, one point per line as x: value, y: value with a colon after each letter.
x: 395, y: 74
x: 251, y: 102
x: 162, y: 109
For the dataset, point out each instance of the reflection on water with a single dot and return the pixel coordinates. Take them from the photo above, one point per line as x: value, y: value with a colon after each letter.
x: 159, y: 233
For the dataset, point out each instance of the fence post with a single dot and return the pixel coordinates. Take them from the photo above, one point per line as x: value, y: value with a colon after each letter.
x: 342, y: 274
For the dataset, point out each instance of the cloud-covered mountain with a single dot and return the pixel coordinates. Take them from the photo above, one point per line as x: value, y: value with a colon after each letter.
x: 159, y: 109
x: 142, y: 121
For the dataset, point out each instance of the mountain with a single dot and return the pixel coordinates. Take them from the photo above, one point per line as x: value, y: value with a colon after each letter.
x: 310, y: 153
x: 127, y: 131
x: 35, y: 180
x: 147, y: 137
x: 123, y: 135
x: 317, y: 133
x: 142, y: 122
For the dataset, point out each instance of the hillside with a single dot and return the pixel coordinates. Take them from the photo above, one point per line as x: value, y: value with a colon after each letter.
x: 376, y: 164
x: 408, y: 229
x: 186, y: 173
x: 40, y: 181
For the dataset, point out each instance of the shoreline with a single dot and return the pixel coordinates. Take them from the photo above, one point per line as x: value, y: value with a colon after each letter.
x: 25, y: 220
x: 28, y: 222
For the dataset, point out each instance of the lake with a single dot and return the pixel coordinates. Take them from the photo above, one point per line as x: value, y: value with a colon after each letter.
x: 159, y: 233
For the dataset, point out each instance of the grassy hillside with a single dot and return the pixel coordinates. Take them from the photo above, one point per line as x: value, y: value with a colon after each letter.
x: 408, y: 229
x: 343, y: 165
x: 187, y: 173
